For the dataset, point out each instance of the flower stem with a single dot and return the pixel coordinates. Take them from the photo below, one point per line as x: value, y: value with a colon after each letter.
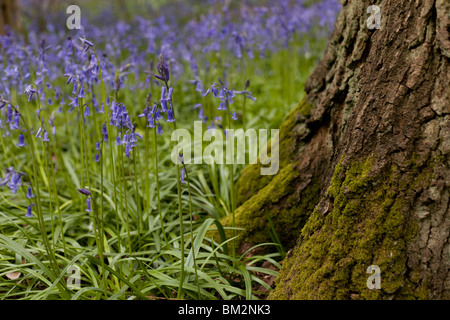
x: 192, y: 230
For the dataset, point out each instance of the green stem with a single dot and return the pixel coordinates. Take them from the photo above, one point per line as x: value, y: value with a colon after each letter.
x: 158, y: 196
x: 180, y: 211
x: 192, y: 230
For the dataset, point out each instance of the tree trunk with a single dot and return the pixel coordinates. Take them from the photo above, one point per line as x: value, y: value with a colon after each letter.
x: 365, y: 176
x: 8, y: 15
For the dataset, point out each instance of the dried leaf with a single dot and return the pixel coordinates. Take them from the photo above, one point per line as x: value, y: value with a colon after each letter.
x: 13, y: 275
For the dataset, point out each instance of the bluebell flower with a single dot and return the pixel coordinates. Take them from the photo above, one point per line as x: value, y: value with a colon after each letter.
x: 159, y: 130
x: 97, y: 157
x: 30, y: 90
x: 21, y: 141
x: 87, y: 113
x: 158, y: 116
x: 81, y: 94
x: 70, y: 77
x: 29, y: 214
x: 75, y: 88
x: 170, y: 117
x: 9, y: 172
x: 39, y: 133
x: 9, y: 114
x: 30, y: 194
x: 128, y: 148
x: 118, y: 141
x: 46, y: 139
x: 169, y: 94
x: 15, y: 124
x: 162, y: 69
x: 234, y: 117
x: 88, y: 44
x: 84, y: 191
x: 105, y: 133
x: 222, y: 106
x: 151, y: 122
x: 182, y: 175
x: 88, y: 205
x: 15, y: 182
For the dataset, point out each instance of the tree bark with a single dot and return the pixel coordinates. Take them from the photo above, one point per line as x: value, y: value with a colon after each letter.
x: 8, y: 15
x: 365, y: 177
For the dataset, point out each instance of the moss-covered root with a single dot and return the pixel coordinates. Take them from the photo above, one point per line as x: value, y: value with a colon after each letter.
x: 363, y: 221
x: 293, y: 128
x: 287, y: 204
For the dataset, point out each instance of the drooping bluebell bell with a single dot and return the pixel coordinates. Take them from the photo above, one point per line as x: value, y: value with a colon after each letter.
x: 9, y: 172
x: 30, y: 90
x: 30, y: 194
x: 21, y: 141
x: 163, y: 100
x: 15, y: 124
x: 29, y: 213
x: 88, y: 44
x: 170, y: 117
x: 222, y: 106
x: 46, y: 139
x: 159, y: 130
x: 89, y: 204
x: 39, y: 133
x: 75, y: 88
x: 82, y: 94
x: 87, y: 113
x: 182, y: 175
x: 9, y: 114
x: 234, y: 117
x: 84, y: 191
x: 105, y: 133
x: 15, y: 182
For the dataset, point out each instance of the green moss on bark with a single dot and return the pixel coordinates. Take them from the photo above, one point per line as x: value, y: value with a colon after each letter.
x: 251, y: 180
x: 288, y: 209
x: 367, y: 224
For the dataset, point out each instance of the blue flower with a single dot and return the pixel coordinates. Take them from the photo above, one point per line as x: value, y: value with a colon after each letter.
x: 234, y: 117
x: 88, y: 205
x: 15, y: 182
x: 86, y: 192
x: 105, y: 133
x: 88, y: 44
x: 29, y: 193
x: 160, y: 130
x: 182, y: 175
x: 46, y: 139
x: 222, y: 106
x: 29, y: 214
x: 29, y: 89
x: 170, y: 117
x: 9, y: 172
x: 21, y: 141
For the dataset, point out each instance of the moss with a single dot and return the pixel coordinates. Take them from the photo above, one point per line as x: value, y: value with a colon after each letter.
x: 287, y: 209
x: 251, y: 180
x: 369, y: 224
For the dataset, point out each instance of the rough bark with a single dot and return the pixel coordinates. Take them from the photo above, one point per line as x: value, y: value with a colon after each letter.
x: 365, y: 178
